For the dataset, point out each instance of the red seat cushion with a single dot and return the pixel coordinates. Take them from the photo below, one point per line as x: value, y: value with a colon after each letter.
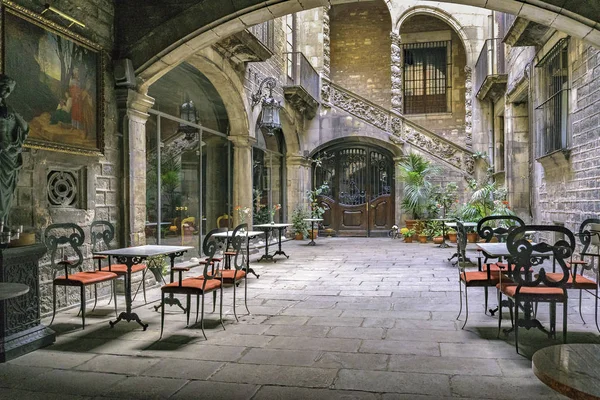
x: 121, y: 269
x: 191, y: 285
x: 227, y: 274
x: 85, y: 278
x: 581, y: 282
x: 511, y: 290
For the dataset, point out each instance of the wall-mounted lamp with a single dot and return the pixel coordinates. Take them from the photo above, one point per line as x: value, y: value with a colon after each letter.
x: 269, y: 120
x: 48, y: 7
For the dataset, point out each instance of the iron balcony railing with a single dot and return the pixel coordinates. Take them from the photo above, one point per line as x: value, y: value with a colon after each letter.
x: 265, y: 32
x: 301, y: 73
x: 491, y: 62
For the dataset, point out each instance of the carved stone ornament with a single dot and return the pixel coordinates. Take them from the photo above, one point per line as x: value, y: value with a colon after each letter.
x: 13, y: 132
x: 396, y: 66
x: 326, y: 44
x: 360, y: 108
x: 468, y: 107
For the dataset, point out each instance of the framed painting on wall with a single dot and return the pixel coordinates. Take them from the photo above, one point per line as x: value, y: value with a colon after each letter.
x: 59, y: 88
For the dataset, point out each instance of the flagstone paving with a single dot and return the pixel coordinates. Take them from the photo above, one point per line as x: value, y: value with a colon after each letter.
x: 349, y: 318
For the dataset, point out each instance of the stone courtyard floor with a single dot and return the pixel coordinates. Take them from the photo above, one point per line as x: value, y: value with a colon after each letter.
x: 349, y: 318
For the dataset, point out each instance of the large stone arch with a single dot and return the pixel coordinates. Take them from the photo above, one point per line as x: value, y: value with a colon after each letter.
x: 156, y: 47
x: 447, y: 18
x: 229, y: 87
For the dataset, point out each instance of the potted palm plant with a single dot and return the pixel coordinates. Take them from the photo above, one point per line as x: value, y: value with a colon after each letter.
x: 416, y: 173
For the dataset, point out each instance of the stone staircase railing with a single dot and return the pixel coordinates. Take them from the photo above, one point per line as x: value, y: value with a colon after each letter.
x: 400, y: 129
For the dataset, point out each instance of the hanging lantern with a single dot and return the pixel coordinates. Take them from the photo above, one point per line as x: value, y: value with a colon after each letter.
x: 269, y: 121
x: 188, y: 113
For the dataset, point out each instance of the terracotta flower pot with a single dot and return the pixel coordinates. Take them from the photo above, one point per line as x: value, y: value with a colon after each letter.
x: 472, y: 237
x: 422, y: 238
x: 299, y: 236
x: 438, y: 240
x: 408, y: 239
x: 313, y: 234
x: 452, y: 237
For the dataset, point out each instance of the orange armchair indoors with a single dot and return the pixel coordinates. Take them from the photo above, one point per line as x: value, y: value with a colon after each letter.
x: 188, y: 227
x: 68, y: 238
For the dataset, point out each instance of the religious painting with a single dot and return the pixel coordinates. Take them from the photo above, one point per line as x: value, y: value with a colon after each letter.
x: 59, y: 82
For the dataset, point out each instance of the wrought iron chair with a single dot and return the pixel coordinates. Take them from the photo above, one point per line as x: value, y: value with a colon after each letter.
x: 589, y: 236
x: 210, y: 281
x: 238, y: 259
x: 529, y: 287
x: 62, y: 241
x: 103, y: 233
x: 479, y: 278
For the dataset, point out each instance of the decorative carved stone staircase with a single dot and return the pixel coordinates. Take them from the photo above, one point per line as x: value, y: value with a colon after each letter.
x: 400, y: 129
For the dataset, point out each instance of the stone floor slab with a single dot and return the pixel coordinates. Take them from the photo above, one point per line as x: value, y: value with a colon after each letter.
x: 276, y: 375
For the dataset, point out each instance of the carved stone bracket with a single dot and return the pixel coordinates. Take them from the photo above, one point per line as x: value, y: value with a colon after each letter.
x: 300, y: 100
x: 396, y: 65
x: 243, y: 47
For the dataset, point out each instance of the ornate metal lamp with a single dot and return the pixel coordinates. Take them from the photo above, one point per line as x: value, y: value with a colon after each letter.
x: 269, y: 121
x: 188, y: 113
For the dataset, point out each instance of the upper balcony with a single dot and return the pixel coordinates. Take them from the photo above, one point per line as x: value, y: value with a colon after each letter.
x: 521, y: 32
x: 490, y: 71
x: 255, y: 44
x: 303, y: 84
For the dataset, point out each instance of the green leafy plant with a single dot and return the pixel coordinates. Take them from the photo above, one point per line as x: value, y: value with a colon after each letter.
x: 298, y: 223
x: 433, y: 229
x: 416, y: 173
x: 261, y: 214
x: 316, y: 211
x: 445, y: 198
x: 406, y: 232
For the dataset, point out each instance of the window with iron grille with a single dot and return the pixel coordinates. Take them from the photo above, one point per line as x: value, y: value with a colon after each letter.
x: 265, y: 32
x: 426, y: 83
x: 553, y: 109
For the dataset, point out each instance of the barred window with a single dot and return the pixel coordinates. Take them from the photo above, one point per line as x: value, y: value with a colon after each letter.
x: 290, y: 45
x: 554, y: 106
x: 265, y: 32
x: 426, y: 67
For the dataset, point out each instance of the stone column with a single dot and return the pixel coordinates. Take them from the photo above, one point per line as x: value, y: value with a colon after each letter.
x: 215, y: 174
x: 396, y: 64
x: 133, y: 113
x: 399, y: 192
x: 298, y: 181
x: 242, y: 174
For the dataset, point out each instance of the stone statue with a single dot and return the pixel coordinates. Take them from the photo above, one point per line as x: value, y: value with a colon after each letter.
x: 13, y: 132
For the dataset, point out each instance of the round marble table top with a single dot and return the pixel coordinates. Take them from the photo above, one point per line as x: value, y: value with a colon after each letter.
x: 571, y: 369
x: 9, y: 290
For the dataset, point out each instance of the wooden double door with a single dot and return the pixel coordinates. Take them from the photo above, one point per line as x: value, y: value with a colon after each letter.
x: 360, y: 198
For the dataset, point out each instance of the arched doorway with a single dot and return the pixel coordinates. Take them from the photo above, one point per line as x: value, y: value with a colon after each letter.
x: 359, y: 198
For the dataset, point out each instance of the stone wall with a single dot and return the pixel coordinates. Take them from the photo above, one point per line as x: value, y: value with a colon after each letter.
x: 98, y: 178
x: 360, y: 50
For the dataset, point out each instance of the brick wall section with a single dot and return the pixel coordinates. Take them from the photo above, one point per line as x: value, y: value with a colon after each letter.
x: 360, y: 50
x: 451, y: 125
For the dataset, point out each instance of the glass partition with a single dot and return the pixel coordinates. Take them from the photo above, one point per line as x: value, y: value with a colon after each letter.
x: 268, y: 177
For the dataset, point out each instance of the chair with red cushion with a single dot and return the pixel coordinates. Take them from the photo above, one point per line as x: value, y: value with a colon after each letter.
x: 589, y: 237
x: 238, y: 260
x: 531, y: 283
x: 210, y: 281
x: 103, y: 233
x: 64, y: 242
x: 479, y: 278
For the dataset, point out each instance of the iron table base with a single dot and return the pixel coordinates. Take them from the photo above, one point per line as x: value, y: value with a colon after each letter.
x: 128, y: 317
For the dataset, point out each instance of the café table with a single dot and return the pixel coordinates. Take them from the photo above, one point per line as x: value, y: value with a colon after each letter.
x: 8, y: 290
x: 459, y: 250
x: 269, y: 228
x: 135, y: 255
x: 312, y: 229
x: 249, y: 235
x: 570, y: 369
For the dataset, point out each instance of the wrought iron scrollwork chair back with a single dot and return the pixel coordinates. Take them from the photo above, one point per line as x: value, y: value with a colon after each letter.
x: 589, y: 237
x: 488, y: 232
x: 531, y: 286
x: 64, y: 242
x: 477, y: 278
x: 210, y: 281
x: 103, y: 233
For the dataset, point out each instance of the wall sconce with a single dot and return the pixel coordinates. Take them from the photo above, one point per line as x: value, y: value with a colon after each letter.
x: 48, y: 7
x: 269, y: 120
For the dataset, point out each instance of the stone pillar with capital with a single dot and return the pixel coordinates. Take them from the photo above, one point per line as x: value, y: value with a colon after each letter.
x: 399, y: 192
x: 242, y: 173
x: 133, y: 113
x: 396, y: 65
x: 298, y: 181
